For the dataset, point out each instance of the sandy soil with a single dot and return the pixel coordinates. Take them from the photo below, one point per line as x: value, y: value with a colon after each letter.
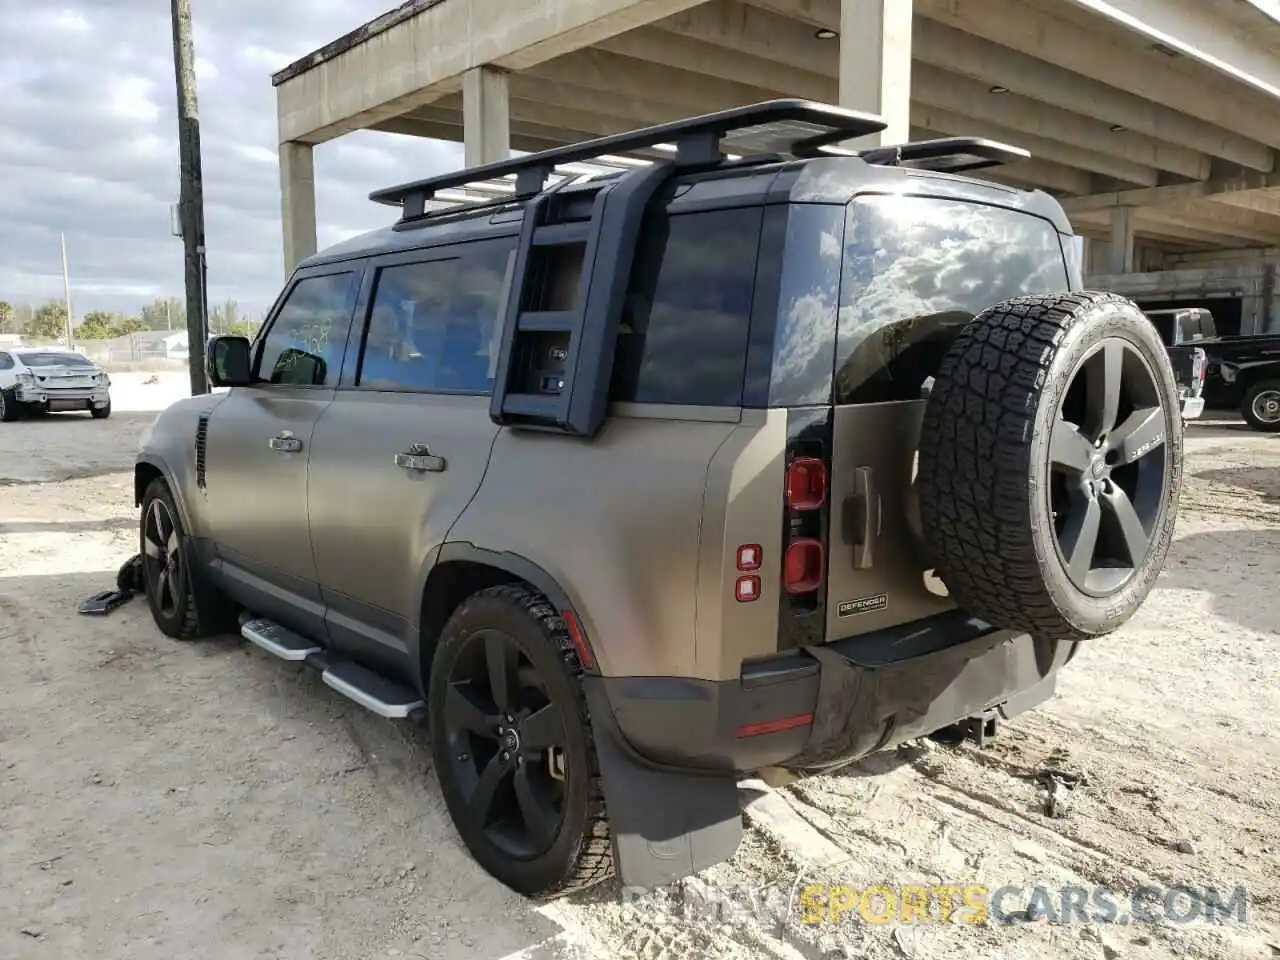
x: 162, y: 800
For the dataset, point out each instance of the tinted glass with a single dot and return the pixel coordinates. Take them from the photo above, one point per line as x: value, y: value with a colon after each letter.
x: 55, y: 359
x: 805, y: 344
x: 685, y: 324
x: 6, y: 362
x: 304, y: 345
x: 916, y: 269
x: 434, y: 326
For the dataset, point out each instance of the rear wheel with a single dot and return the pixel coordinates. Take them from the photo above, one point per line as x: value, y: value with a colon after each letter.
x: 101, y: 413
x: 10, y: 409
x: 1051, y: 463
x: 1261, y: 407
x: 512, y: 744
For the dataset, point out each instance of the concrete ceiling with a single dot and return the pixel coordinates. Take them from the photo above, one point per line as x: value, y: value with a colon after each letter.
x: 1106, y: 110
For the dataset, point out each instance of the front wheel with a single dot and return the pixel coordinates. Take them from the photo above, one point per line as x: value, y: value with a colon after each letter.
x: 1261, y: 407
x: 512, y: 745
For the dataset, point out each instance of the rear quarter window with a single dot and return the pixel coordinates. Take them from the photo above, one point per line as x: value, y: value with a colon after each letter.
x: 916, y: 270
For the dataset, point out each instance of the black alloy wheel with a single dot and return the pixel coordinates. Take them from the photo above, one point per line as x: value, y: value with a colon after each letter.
x: 162, y: 560
x: 1107, y: 468
x: 507, y: 737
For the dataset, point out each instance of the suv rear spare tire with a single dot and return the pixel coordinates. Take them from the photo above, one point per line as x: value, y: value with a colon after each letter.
x: 1051, y: 463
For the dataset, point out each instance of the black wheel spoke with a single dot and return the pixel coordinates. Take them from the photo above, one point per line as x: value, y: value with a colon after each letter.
x: 503, y: 663
x: 1141, y: 432
x: 543, y: 728
x: 1079, y: 538
x: 486, y: 790
x: 1132, y: 534
x: 464, y: 714
x: 158, y: 517
x: 540, y: 817
x: 164, y: 590
x: 1069, y: 449
x: 1102, y: 387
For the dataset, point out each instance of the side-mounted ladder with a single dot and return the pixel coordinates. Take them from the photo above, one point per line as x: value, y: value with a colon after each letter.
x: 578, y: 240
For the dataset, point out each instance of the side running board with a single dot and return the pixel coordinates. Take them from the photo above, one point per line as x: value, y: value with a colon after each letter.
x: 374, y: 692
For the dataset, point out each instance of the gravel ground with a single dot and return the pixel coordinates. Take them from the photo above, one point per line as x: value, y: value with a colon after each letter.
x: 162, y: 800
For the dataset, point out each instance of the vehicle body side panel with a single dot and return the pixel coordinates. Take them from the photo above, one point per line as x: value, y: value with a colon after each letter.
x: 615, y: 522
x: 169, y: 446
x: 742, y: 505
x: 373, y: 522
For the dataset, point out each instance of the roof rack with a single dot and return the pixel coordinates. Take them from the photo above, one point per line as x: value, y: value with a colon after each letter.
x: 945, y: 154
x: 794, y: 127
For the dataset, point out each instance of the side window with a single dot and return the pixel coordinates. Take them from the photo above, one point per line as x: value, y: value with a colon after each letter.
x: 434, y: 325
x: 6, y: 362
x: 686, y: 321
x: 304, y: 345
x: 916, y: 270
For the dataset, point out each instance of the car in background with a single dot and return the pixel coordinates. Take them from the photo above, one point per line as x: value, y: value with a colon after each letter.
x: 39, y: 380
x: 1182, y: 331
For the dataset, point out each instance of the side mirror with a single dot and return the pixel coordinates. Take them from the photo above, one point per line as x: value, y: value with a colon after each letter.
x: 228, y: 363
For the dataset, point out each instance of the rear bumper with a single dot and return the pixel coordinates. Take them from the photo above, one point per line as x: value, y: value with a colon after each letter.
x: 833, y: 704
x: 1192, y: 407
x: 78, y: 398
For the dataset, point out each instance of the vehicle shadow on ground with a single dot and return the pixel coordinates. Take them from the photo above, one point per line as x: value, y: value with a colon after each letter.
x: 399, y: 866
x: 1252, y: 554
x: 62, y: 421
x: 67, y: 526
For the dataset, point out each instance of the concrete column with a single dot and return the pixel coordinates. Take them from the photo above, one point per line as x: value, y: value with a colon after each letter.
x: 298, y: 202
x: 1121, y: 259
x: 486, y: 115
x: 875, y: 65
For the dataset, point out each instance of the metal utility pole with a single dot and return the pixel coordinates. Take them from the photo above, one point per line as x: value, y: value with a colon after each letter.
x: 191, y: 199
x: 66, y: 288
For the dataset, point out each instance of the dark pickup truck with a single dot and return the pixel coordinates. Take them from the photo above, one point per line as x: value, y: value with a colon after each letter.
x: 1184, y: 332
x: 1240, y: 373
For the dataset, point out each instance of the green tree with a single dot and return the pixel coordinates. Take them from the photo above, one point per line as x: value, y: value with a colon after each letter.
x: 127, y: 325
x: 49, y: 321
x: 224, y: 316
x: 23, y: 314
x: 164, y: 312
x: 243, y: 328
x: 8, y: 321
x: 97, y: 325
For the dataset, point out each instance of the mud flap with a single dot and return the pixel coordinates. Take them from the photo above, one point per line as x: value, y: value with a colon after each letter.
x: 666, y: 824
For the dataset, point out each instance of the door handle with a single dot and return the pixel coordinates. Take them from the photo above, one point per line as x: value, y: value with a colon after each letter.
x: 420, y: 459
x: 868, y: 518
x: 285, y: 442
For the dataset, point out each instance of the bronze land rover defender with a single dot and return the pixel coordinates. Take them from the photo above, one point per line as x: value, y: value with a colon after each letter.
x: 753, y: 451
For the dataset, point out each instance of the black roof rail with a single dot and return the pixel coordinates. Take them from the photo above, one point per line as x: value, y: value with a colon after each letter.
x: 791, y: 127
x: 945, y: 154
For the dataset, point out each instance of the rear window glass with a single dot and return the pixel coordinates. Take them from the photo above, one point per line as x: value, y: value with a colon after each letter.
x: 54, y: 360
x: 916, y: 269
x: 686, y: 321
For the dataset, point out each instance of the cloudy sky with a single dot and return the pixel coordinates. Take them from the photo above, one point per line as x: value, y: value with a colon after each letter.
x: 88, y: 146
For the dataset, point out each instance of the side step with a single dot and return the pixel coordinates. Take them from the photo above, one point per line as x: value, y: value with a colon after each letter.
x: 278, y: 641
x: 372, y: 691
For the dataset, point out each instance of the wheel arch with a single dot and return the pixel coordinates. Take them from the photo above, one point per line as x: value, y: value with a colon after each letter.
x: 150, y: 467
x: 462, y: 569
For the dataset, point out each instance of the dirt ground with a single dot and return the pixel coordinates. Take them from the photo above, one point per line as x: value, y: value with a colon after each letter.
x: 166, y: 800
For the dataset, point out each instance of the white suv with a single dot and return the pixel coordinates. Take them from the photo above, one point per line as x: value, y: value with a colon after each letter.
x: 49, y: 380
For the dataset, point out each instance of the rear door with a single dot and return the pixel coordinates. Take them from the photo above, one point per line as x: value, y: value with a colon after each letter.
x: 403, y: 448
x: 915, y: 270
x: 258, y: 442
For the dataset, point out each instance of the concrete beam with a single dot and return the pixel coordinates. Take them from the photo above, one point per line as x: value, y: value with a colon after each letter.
x: 875, y: 65
x: 959, y: 52
x: 487, y: 116
x: 1040, y: 174
x: 944, y: 122
x: 1173, y: 194
x: 1226, y: 215
x: 1248, y: 235
x: 971, y: 98
x: 424, y: 57
x: 1059, y: 41
x: 1193, y: 28
x: 1164, y: 233
x: 297, y: 202
x: 1263, y: 201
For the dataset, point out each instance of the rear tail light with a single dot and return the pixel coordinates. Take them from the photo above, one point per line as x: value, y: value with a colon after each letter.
x: 747, y: 588
x: 803, y: 566
x: 806, y: 483
x: 1200, y: 365
x: 750, y: 556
